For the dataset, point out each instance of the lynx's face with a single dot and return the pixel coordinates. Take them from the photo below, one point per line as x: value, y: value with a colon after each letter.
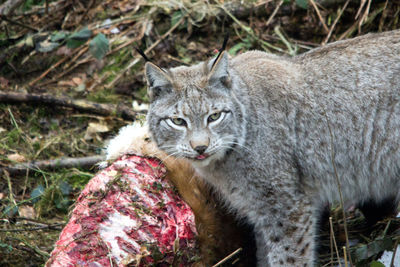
x: 193, y: 113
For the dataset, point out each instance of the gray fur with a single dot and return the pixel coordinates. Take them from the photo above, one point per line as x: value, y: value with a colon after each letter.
x: 271, y: 156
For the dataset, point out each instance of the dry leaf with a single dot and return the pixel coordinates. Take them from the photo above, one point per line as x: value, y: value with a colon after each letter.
x: 66, y: 83
x: 77, y: 80
x: 3, y: 83
x: 16, y: 157
x: 27, y: 212
x: 94, y: 128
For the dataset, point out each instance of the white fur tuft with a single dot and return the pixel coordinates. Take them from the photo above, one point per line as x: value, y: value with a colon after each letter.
x: 131, y: 139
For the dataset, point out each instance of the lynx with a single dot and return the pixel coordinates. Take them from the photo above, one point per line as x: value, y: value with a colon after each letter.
x: 273, y: 135
x: 218, y: 231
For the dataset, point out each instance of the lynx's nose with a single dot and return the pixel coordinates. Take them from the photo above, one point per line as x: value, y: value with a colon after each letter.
x: 200, y: 149
x: 199, y: 142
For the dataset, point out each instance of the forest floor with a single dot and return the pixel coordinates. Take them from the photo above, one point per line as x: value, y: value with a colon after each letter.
x: 69, y: 74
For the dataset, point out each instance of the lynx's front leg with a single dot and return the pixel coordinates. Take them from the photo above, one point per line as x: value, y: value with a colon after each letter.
x: 286, y: 238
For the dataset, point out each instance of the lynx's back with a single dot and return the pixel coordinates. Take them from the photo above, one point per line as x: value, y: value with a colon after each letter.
x: 343, y: 97
x: 354, y: 88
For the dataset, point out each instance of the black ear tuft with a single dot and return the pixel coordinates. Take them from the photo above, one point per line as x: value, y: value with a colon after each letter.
x: 222, y: 48
x: 140, y: 51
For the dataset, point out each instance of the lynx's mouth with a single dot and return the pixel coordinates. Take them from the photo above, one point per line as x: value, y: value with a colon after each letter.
x: 202, y: 156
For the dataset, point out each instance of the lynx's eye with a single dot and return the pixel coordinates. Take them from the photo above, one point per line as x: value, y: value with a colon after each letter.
x: 178, y: 121
x: 213, y: 117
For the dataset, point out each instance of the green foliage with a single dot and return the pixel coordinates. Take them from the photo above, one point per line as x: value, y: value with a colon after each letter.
x: 78, y: 38
x: 302, y: 3
x: 242, y: 46
x: 6, y: 247
x: 376, y: 264
x: 103, y: 96
x: 99, y: 46
x: 30, y: 3
x: 176, y: 16
x: 363, y: 253
x: 58, y: 36
x: 36, y: 193
x: 9, y: 211
x: 55, y: 197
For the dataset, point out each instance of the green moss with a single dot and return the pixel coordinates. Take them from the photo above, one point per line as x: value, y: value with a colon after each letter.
x: 104, y: 96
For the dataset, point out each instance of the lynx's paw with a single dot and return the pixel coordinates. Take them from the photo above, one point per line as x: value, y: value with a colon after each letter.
x: 131, y: 139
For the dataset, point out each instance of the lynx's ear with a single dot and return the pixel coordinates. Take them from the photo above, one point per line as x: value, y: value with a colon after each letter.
x: 158, y: 81
x: 220, y: 70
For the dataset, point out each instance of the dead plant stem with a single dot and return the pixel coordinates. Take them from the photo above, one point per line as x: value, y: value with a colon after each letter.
x: 334, y: 240
x: 227, y: 257
x: 334, y: 23
x: 136, y: 60
x: 248, y: 29
x: 319, y: 15
x: 274, y: 13
x: 11, y: 194
x: 278, y: 32
x: 339, y: 188
x: 364, y: 16
x: 18, y: 23
x: 394, y: 253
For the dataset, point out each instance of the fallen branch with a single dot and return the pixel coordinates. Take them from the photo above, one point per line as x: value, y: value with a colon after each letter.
x: 81, y: 105
x: 5, y: 18
x: 50, y: 227
x: 83, y: 162
x: 9, y: 6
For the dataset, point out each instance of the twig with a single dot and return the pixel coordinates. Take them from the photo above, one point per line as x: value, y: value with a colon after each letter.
x: 274, y: 13
x: 40, y: 252
x: 345, y: 256
x: 11, y: 194
x: 332, y: 236
x: 292, y: 51
x: 84, y: 162
x: 50, y: 226
x: 136, y: 60
x: 9, y: 6
x: 53, y: 7
x: 83, y: 50
x: 394, y: 253
x: 3, y: 17
x: 339, y: 188
x: 81, y: 105
x: 227, y: 257
x: 56, y: 65
x: 319, y: 15
x: 355, y: 25
x: 360, y: 8
x: 334, y: 240
x: 364, y: 16
x: 334, y: 23
x: 383, y: 17
x: 248, y: 29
